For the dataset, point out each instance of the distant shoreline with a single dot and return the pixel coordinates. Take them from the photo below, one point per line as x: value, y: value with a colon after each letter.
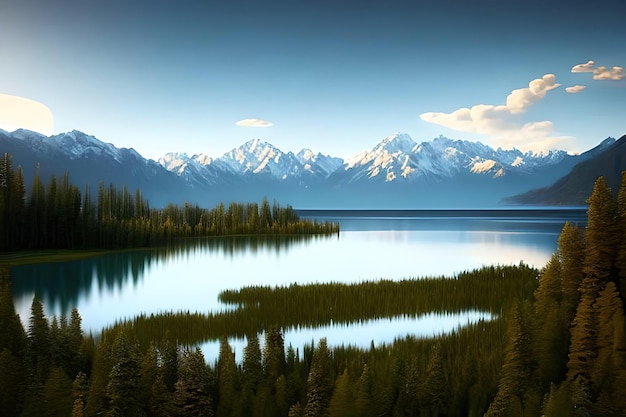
x: 453, y: 213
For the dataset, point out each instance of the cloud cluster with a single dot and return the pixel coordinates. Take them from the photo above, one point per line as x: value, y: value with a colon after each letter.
x: 254, y: 123
x: 23, y: 113
x: 501, y: 124
x: 601, y: 72
x: 575, y: 89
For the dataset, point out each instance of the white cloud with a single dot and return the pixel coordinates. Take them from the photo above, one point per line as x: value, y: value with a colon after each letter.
x: 575, y: 89
x: 501, y: 124
x: 23, y: 113
x: 601, y: 72
x: 254, y: 123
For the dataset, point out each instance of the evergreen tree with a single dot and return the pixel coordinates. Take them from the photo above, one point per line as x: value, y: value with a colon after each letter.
x: 610, y: 362
x: 252, y: 363
x: 57, y: 394
x: 226, y: 380
x: 124, y: 387
x: 38, y: 352
x: 558, y: 402
x: 192, y: 396
x: 601, y: 235
x: 583, y: 349
x: 363, y: 401
x: 434, y: 389
x: 570, y: 251
x: 516, y: 370
x: 13, y: 336
x: 273, y: 355
x: 37, y: 360
x: 320, y: 382
x: 342, y: 402
x: 251, y: 376
x: 80, y: 388
x: 550, y: 335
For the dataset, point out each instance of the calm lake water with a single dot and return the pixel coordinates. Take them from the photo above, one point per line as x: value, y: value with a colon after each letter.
x: 370, y: 246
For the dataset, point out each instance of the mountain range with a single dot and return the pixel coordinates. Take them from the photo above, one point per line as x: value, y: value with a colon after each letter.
x: 395, y: 173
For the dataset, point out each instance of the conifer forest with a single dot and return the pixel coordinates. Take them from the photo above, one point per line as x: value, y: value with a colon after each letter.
x: 555, y: 344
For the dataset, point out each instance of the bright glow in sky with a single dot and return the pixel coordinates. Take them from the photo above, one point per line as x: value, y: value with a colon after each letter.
x: 335, y: 76
x: 19, y: 112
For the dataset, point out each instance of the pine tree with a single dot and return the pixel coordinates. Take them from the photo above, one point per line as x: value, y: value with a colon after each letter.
x: 601, y: 235
x: 609, y: 363
x: 516, y: 370
x: 37, y: 360
x: 192, y: 396
x: 57, y: 394
x: 558, y: 401
x: 571, y: 255
x: 342, y: 400
x: 124, y: 387
x: 320, y: 382
x: 550, y: 335
x: 13, y: 336
x: 252, y: 364
x: 226, y: 379
x: 363, y: 400
x: 273, y: 355
x: 38, y: 352
x: 434, y: 388
x: 583, y: 348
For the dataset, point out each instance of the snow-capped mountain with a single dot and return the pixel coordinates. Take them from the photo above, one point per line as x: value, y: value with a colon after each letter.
x: 319, y: 164
x: 395, y: 173
x: 90, y: 161
x: 399, y: 158
x: 254, y: 160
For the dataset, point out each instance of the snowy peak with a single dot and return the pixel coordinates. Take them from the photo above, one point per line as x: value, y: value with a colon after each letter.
x: 257, y: 157
x: 323, y: 165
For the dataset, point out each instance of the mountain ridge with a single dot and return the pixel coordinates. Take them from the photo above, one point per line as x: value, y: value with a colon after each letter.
x: 397, y: 172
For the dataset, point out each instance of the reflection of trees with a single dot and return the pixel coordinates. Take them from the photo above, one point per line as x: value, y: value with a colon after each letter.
x: 489, y: 289
x: 61, y: 284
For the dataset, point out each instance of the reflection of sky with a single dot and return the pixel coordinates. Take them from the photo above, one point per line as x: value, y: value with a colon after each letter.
x: 361, y: 335
x: 192, y: 280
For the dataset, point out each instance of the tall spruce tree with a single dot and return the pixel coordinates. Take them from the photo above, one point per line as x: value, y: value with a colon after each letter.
x: 192, y: 396
x: 601, y: 236
x: 570, y: 250
x: 320, y: 382
x: 517, y: 368
x: 226, y: 380
x: 124, y: 387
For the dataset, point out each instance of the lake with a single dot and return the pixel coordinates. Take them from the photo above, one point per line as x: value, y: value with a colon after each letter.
x: 371, y: 245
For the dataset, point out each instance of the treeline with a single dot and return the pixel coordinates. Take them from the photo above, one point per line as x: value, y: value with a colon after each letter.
x: 59, y: 216
x: 495, y: 289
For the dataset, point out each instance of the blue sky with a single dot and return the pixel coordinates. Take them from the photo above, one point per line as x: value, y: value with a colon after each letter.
x: 334, y: 76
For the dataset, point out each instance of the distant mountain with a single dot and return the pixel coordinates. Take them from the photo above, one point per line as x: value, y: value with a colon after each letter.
x: 395, y: 173
x: 574, y: 188
x: 90, y: 161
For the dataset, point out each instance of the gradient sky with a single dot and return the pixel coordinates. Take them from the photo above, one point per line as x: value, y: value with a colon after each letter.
x: 334, y: 76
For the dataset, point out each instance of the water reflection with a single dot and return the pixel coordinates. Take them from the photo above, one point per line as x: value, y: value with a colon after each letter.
x: 64, y: 285
x: 190, y: 274
x: 363, y: 334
